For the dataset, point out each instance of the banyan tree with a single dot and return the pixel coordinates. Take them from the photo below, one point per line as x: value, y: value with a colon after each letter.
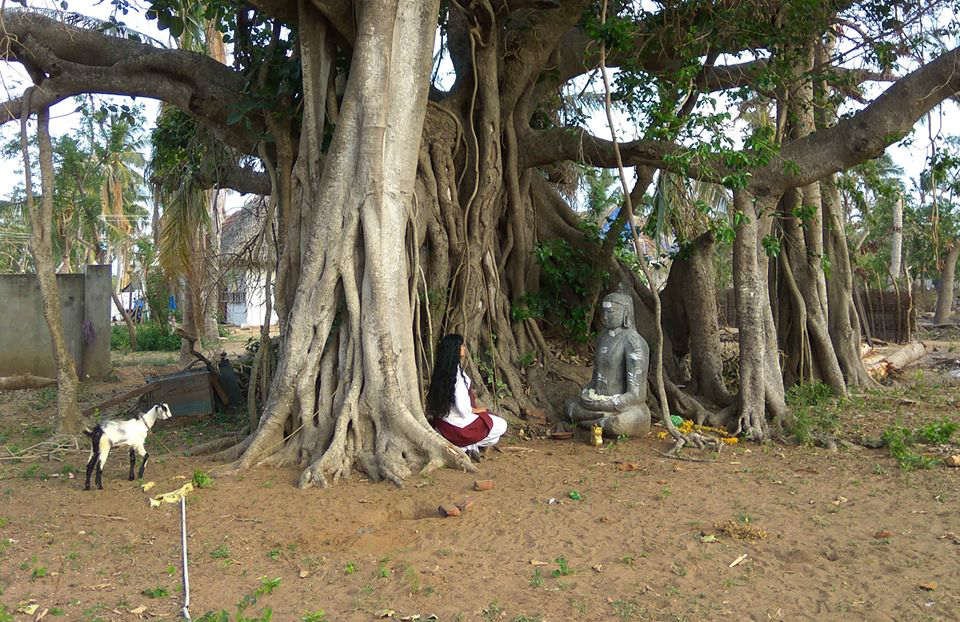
x: 418, y: 156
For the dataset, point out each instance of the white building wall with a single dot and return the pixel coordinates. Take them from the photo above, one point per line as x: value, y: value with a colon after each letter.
x: 236, y: 314
x: 252, y: 311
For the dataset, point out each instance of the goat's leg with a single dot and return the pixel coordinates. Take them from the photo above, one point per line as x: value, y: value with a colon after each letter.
x: 133, y: 463
x: 143, y: 453
x: 94, y: 458
x: 104, y: 452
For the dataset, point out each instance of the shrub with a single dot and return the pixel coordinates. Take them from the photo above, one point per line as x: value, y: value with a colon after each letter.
x: 151, y: 337
x: 899, y: 440
x: 201, y: 479
x: 937, y: 432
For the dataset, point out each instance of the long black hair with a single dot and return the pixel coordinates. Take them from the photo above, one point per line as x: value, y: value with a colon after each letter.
x: 443, y: 382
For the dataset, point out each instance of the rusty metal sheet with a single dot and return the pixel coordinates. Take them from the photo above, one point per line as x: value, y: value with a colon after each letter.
x: 187, y: 393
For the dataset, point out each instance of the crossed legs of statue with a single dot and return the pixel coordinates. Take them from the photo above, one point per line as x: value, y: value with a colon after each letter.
x: 632, y: 421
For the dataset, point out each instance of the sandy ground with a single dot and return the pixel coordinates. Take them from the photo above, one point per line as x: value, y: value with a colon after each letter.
x: 569, y: 531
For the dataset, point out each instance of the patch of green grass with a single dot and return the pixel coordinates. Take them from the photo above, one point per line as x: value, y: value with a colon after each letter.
x: 626, y: 609
x: 537, y: 579
x: 937, y: 432
x: 900, y: 441
x: 38, y: 573
x: 563, y: 569
x: 267, y: 586
x: 171, y: 570
x: 38, y: 431
x: 350, y: 568
x: 580, y: 607
x: 45, y: 397
x: 412, y: 578
x: 314, y: 616
x: 492, y: 612
x: 274, y: 554
x: 808, y: 394
x: 221, y: 552
x: 201, y: 479
x: 156, y: 592
x: 816, y: 413
x: 33, y: 471
x: 90, y: 614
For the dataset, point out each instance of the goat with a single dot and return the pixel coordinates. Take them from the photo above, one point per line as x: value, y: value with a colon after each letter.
x: 131, y: 432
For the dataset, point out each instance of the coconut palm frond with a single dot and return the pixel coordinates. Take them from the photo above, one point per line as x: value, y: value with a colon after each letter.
x: 686, y: 205
x: 184, y: 219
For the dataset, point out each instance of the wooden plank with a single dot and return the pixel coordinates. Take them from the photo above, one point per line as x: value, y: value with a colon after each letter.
x: 119, y: 399
x: 221, y: 393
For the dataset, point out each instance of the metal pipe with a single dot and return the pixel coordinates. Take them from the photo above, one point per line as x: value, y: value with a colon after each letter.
x: 183, y: 546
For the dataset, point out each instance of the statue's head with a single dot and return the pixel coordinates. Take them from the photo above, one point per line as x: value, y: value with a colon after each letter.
x: 617, y: 311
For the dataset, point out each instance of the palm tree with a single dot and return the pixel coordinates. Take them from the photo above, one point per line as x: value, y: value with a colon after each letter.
x: 189, y: 236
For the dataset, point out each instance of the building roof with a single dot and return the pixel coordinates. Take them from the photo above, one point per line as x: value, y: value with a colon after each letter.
x: 243, y: 239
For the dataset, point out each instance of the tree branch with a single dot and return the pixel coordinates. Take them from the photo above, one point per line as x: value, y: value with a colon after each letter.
x: 338, y: 12
x: 866, y: 134
x: 71, y: 61
x: 243, y: 179
x: 577, y: 145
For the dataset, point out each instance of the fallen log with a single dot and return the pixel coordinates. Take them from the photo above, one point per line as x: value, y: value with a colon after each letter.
x: 25, y: 381
x: 895, y: 361
x: 906, y: 355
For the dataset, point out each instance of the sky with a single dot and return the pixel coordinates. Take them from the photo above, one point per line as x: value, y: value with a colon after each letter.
x: 910, y: 154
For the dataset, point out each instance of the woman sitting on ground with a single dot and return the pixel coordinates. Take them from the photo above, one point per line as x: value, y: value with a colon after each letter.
x: 451, y: 406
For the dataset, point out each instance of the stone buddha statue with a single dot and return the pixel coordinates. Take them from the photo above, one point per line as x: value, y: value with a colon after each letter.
x: 616, y: 396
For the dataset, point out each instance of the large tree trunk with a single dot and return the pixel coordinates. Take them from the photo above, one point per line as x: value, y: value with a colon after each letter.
x: 843, y: 317
x: 41, y: 219
x: 896, y: 239
x: 691, y: 316
x: 945, y: 290
x: 750, y: 292
x: 190, y: 311
x: 803, y: 313
x: 347, y: 381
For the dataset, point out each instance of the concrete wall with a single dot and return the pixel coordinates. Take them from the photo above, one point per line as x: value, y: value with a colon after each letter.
x: 25, y: 346
x: 97, y: 284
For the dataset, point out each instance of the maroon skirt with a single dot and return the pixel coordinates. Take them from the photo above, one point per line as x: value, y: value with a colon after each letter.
x: 472, y: 433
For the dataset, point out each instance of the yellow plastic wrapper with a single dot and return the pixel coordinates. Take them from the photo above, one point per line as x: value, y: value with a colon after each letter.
x: 171, y: 497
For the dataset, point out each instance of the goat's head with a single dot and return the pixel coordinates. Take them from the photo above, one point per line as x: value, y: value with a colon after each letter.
x: 162, y: 411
